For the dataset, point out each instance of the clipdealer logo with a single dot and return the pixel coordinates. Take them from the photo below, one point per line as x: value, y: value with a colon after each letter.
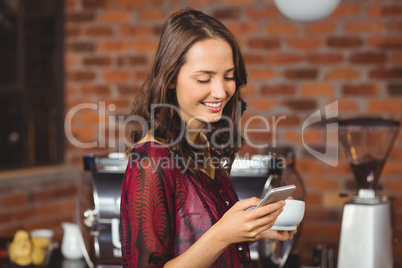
x: 330, y: 156
x: 112, y: 124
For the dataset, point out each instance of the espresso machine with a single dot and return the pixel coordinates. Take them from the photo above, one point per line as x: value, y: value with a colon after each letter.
x: 366, y: 232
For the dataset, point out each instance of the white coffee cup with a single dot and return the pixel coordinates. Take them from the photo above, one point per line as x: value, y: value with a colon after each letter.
x: 291, y: 216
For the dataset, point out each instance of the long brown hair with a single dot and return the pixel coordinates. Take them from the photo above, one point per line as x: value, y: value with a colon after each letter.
x: 180, y: 32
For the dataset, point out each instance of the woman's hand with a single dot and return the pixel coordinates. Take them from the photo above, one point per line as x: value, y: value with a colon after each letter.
x: 241, y: 225
x: 237, y: 225
x: 278, y: 235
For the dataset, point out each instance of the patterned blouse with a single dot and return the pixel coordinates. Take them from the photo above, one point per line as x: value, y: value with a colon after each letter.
x: 165, y: 209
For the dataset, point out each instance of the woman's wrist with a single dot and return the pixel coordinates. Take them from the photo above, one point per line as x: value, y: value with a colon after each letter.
x: 211, y: 244
x: 218, y: 237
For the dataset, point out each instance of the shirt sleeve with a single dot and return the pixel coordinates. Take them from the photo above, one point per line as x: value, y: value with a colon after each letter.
x: 147, y: 213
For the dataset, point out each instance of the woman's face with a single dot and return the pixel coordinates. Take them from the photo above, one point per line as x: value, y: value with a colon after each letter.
x: 205, y: 82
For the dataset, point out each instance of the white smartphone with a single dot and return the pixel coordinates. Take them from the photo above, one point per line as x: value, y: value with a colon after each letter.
x: 276, y: 194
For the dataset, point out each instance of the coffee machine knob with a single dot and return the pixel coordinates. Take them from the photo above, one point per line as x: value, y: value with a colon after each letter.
x: 89, y: 215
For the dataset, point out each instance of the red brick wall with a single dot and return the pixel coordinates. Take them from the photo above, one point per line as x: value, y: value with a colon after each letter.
x: 353, y: 57
x: 38, y: 198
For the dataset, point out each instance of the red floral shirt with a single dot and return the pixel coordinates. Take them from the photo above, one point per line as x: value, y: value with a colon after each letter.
x: 165, y: 209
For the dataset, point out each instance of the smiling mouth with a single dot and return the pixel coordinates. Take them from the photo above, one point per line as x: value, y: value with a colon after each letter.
x: 213, y: 104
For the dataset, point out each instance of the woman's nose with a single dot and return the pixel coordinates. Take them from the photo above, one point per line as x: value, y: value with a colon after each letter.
x: 218, y: 90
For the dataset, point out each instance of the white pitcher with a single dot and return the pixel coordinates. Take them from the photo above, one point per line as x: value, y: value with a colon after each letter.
x: 71, y: 244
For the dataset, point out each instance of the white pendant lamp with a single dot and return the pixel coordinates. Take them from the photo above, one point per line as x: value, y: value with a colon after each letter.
x: 306, y: 10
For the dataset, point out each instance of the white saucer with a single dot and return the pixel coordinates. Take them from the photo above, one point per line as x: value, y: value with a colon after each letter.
x: 284, y: 228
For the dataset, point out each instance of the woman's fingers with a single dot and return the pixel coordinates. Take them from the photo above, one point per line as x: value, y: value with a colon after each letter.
x: 278, y: 235
x: 268, y: 209
x: 248, y: 203
x: 254, y: 201
x: 286, y: 235
x: 255, y: 224
x: 260, y: 216
x: 260, y: 221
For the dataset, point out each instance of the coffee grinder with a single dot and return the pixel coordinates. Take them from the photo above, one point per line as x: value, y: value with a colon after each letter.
x: 366, y: 233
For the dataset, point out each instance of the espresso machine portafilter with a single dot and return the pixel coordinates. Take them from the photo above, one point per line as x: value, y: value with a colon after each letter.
x: 366, y: 232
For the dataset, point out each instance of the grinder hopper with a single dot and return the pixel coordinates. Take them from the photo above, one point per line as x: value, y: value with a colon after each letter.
x: 367, y: 143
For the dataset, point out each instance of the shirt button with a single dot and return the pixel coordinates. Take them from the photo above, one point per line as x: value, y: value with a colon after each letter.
x: 240, y: 248
x: 227, y: 203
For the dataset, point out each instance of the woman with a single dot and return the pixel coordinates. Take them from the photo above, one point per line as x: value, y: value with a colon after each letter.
x: 178, y: 207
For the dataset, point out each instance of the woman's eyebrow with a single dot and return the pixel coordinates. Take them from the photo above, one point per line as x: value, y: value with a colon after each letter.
x: 229, y: 70
x: 212, y: 72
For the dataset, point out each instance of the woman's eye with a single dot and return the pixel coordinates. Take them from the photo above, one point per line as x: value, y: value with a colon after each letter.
x: 203, y: 81
x: 229, y: 78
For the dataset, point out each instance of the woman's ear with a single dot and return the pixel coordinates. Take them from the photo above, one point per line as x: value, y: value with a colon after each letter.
x: 171, y: 85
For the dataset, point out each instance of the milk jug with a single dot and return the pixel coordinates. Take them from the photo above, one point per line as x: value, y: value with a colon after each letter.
x: 71, y: 243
